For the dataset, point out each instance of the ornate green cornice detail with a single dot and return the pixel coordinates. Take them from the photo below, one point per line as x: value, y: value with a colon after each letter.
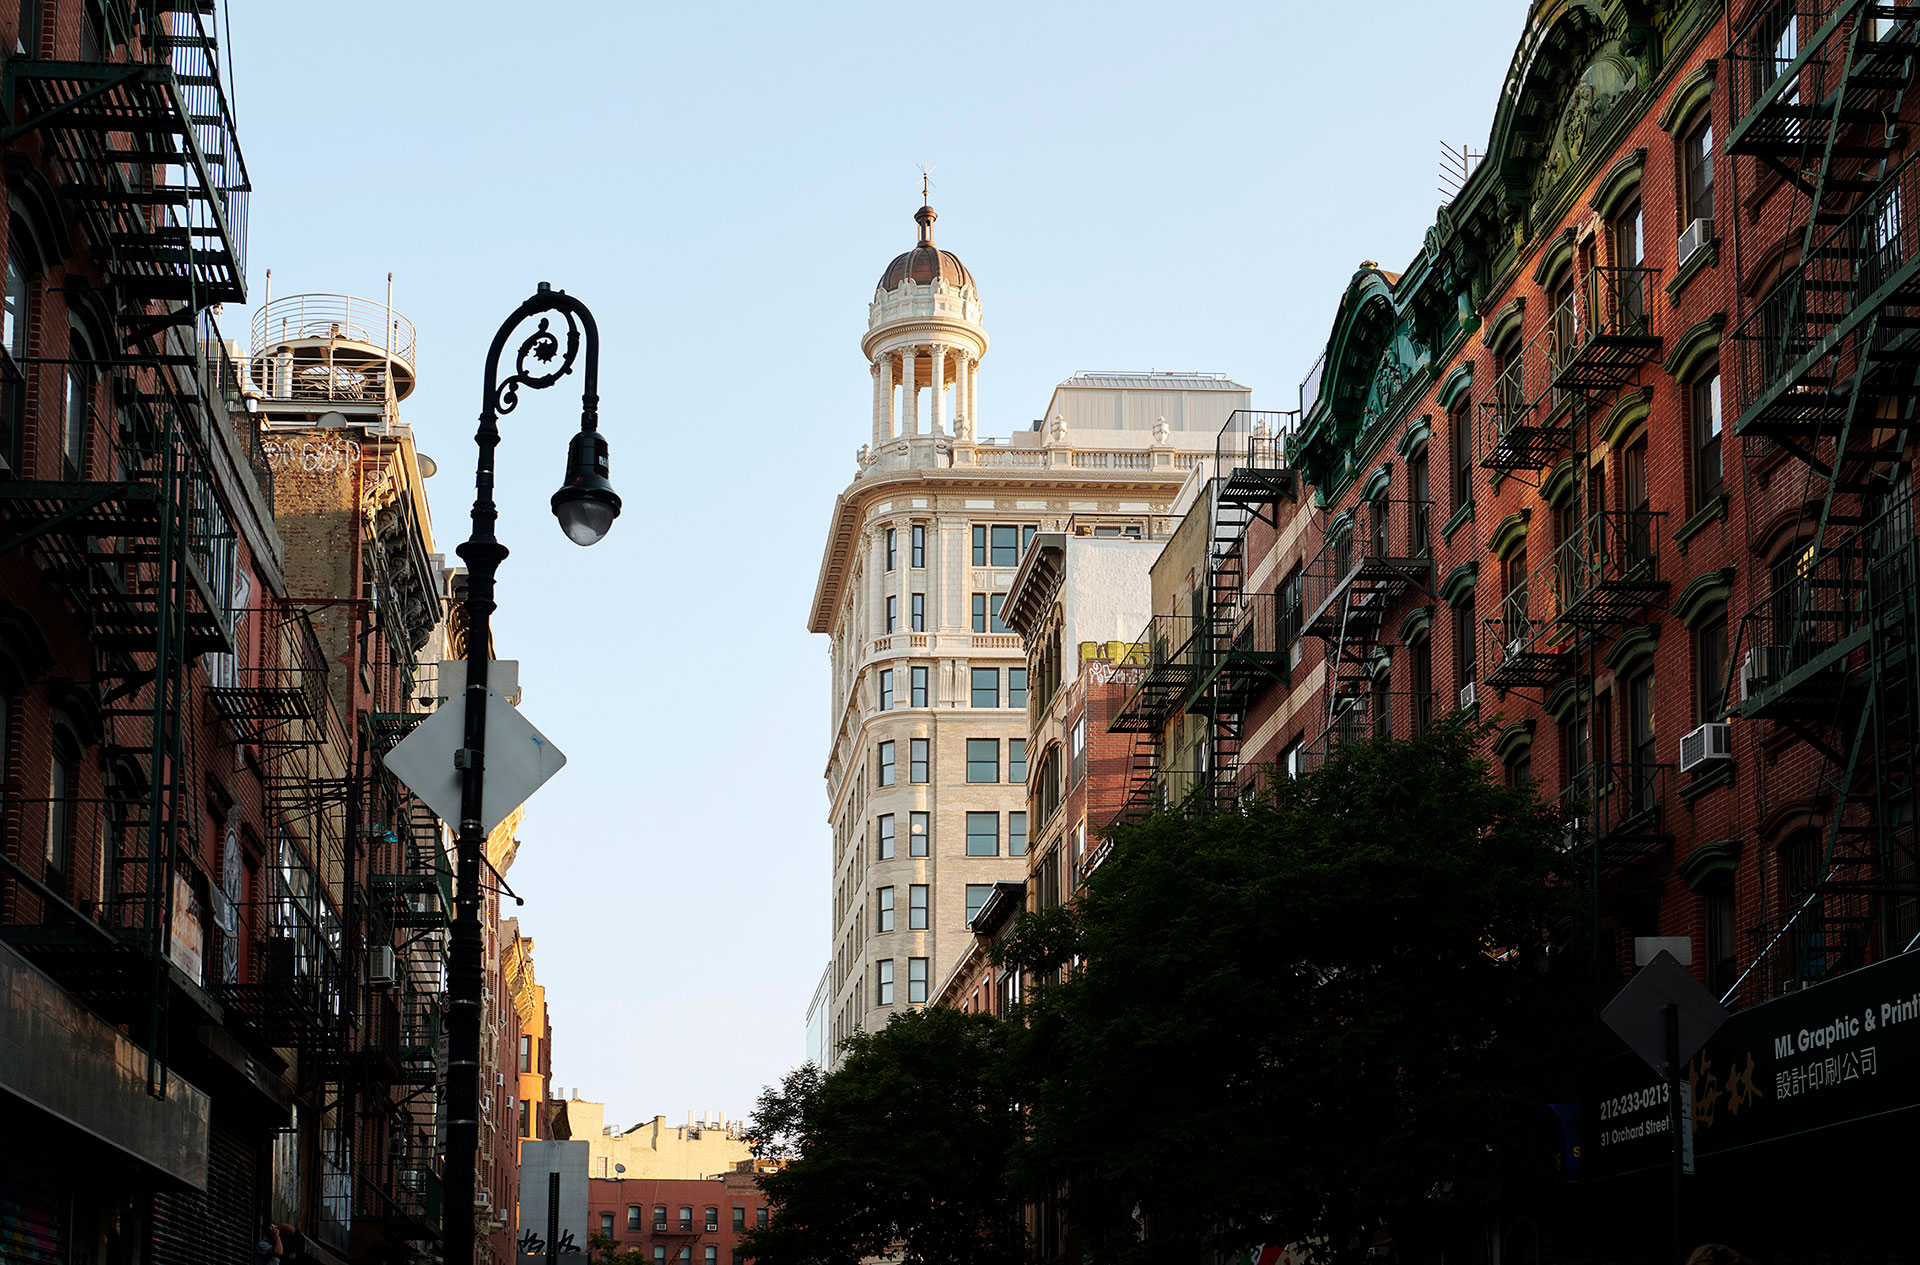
x: 1417, y: 624
x: 1418, y: 432
x: 1701, y: 596
x: 1627, y: 412
x: 1460, y: 582
x: 1692, y: 348
x: 1509, y: 534
x: 1340, y: 524
x: 1565, y: 697
x: 1511, y: 741
x: 1635, y: 644
x: 1377, y: 482
x: 1693, y: 90
x: 1454, y: 385
x: 1619, y: 184
x: 1560, y: 481
x: 1455, y: 521
x: 1698, y: 867
x: 1505, y: 321
x: 1555, y: 257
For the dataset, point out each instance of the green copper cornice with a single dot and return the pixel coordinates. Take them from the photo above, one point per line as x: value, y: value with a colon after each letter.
x: 1693, y: 349
x: 1415, y: 627
x: 1460, y: 582
x: 1698, y: 598
x: 1378, y: 482
x: 1692, y: 92
x: 1634, y: 645
x: 1454, y: 385
x: 1565, y: 697
x: 1560, y: 481
x: 1555, y: 259
x: 1511, y: 742
x: 1700, y: 866
x: 1627, y: 412
x: 1417, y: 433
x: 1620, y: 183
x: 1509, y: 534
x: 1505, y: 322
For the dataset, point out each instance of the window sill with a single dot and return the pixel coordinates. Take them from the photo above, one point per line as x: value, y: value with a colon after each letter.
x: 1705, y: 257
x: 1461, y: 517
x: 1720, y: 775
x: 1714, y: 511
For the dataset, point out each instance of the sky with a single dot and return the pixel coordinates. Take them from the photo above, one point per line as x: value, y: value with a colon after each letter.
x: 1134, y: 186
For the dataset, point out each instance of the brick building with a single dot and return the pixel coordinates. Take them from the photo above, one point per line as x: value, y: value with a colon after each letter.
x: 1621, y: 461
x: 679, y: 1221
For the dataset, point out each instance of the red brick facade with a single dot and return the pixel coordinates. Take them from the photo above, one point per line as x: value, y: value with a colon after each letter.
x: 678, y: 1221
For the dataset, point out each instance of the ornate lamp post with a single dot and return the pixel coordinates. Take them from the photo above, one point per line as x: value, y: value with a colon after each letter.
x: 586, y: 506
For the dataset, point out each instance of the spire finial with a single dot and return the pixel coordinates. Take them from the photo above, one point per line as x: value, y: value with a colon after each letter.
x: 925, y: 216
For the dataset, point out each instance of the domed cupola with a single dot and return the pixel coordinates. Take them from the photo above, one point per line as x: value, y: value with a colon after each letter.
x: 924, y: 337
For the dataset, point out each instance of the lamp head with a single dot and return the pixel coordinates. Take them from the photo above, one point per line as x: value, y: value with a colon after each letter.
x: 586, y: 503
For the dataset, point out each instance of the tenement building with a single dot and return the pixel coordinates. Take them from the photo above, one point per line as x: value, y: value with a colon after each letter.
x: 1621, y: 464
x: 927, y: 755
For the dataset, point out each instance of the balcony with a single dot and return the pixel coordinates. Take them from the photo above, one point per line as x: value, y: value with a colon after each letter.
x: 332, y: 351
x: 271, y: 702
x: 1167, y: 651
x: 1358, y: 575
x: 1361, y: 715
x: 1831, y: 351
x: 1618, y: 334
x: 147, y: 157
x: 1790, y: 59
x: 1797, y: 653
x: 1523, y: 425
x: 1603, y: 576
x: 1620, y: 809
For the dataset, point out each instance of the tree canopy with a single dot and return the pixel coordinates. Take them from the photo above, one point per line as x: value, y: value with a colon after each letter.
x: 1288, y: 1022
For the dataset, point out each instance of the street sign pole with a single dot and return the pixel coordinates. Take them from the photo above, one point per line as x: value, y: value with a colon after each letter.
x: 1677, y: 1123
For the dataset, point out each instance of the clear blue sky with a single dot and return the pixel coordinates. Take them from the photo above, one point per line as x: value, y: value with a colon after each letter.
x: 1134, y: 186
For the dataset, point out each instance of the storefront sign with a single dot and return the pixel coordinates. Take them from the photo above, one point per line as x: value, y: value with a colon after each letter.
x: 187, y: 941
x: 1842, y: 1050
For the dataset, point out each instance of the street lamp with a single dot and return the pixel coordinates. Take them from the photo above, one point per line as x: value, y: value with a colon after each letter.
x: 586, y: 506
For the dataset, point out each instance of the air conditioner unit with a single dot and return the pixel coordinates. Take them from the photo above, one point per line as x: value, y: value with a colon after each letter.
x: 1763, y: 666
x: 1467, y: 696
x: 1709, y: 742
x: 483, y: 1200
x: 380, y: 964
x: 499, y: 1078
x: 1515, y: 646
x: 1694, y: 236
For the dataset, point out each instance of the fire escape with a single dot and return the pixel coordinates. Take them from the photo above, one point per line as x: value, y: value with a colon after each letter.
x: 1217, y: 660
x: 1826, y: 376
x: 139, y: 147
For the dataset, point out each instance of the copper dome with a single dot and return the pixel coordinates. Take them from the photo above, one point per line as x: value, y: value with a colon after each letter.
x: 925, y: 262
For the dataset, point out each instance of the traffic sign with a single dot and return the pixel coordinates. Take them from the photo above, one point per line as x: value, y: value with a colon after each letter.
x: 520, y: 759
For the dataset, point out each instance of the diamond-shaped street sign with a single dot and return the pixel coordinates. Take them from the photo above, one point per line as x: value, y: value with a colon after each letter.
x: 519, y: 760
x: 1638, y: 1014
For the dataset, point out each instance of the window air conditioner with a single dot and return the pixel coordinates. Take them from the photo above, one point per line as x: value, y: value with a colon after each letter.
x: 1761, y: 669
x: 1694, y: 236
x: 499, y: 1078
x: 1515, y: 646
x: 483, y: 1200
x: 1467, y: 696
x: 380, y: 964
x: 1709, y: 742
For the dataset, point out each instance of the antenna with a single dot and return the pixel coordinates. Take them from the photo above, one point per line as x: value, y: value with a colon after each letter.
x: 926, y: 182
x: 1455, y: 167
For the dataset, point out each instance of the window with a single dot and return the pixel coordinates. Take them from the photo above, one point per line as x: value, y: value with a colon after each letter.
x: 606, y: 1224
x: 79, y: 397
x: 711, y: 1253
x: 740, y: 1213
x: 1422, y: 682
x: 979, y: 546
x: 760, y: 1217
x: 1294, y: 761
x: 886, y: 689
x: 918, y: 556
x: 883, y: 832
x: 883, y: 982
x: 892, y: 548
x: 886, y: 764
x: 916, y: 834
x: 1516, y: 618
x: 983, y: 834
x: 1419, y: 494
x: 1638, y: 529
x: 62, y: 786
x: 983, y: 759
x: 917, y: 685
x: 1288, y: 607
x: 1723, y: 965
x: 526, y: 1118
x: 713, y: 1223
x: 526, y: 1054
x: 1460, y: 452
x: 1696, y: 157
x: 1016, y: 760
x: 1520, y: 772
x: 633, y: 1216
x: 13, y: 337
x: 917, y: 613
x: 919, y: 752
x: 1710, y: 667
x: 1016, y: 834
x: 1709, y: 475
x: 916, y: 979
x: 1640, y: 739
x: 1076, y: 751
x: 883, y: 909
x: 686, y: 1220
x: 893, y: 612
x: 686, y: 1253
x: 1016, y: 687
x: 1006, y: 547
x: 659, y: 1216
x: 977, y: 894
x: 917, y: 907
x: 1465, y: 647
x: 986, y: 613
x: 986, y: 687
x: 659, y: 1250
x: 1629, y: 305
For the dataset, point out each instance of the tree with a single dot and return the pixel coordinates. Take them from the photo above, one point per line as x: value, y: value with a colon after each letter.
x: 1294, y: 1021
x: 901, y: 1149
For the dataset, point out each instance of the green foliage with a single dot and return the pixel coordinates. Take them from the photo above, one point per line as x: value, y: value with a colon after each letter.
x: 1294, y: 1021
x: 902, y: 1150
